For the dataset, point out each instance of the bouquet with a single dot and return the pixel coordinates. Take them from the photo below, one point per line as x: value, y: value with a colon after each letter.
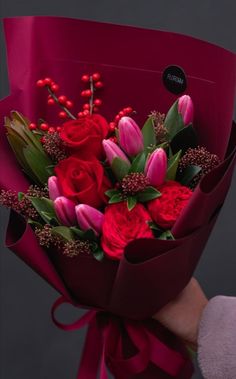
x: 112, y: 206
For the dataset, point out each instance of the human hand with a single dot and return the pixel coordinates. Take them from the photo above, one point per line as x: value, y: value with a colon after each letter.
x: 182, y: 315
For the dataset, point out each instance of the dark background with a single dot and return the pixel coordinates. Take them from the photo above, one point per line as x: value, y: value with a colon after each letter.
x: 31, y: 347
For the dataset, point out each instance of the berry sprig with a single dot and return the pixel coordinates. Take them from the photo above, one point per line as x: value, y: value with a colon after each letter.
x: 43, y: 127
x: 64, y: 103
x: 92, y: 105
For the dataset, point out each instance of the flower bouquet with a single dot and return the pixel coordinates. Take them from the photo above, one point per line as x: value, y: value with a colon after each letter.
x: 115, y: 190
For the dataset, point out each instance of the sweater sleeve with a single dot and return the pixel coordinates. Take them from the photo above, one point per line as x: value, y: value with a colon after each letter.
x: 217, y: 339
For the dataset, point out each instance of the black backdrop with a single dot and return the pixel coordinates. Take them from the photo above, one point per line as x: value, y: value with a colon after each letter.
x: 30, y: 346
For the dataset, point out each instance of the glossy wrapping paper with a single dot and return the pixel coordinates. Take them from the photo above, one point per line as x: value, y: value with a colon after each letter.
x: 151, y: 272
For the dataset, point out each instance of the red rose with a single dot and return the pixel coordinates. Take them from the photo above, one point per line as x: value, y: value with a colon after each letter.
x: 121, y: 226
x: 166, y: 209
x: 85, y: 135
x: 83, y: 181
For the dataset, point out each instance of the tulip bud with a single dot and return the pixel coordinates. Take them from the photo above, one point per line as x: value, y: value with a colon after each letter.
x: 130, y: 136
x: 186, y: 109
x: 89, y: 218
x: 53, y: 187
x: 113, y: 151
x: 156, y: 167
x: 65, y: 211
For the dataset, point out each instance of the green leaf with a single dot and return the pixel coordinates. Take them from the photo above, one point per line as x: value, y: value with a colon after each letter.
x: 34, y: 223
x: 111, y: 192
x: 131, y: 202
x: 21, y: 195
x: 64, y: 232
x: 148, y: 131
x: 153, y: 225
x: 173, y: 163
x: 37, y: 163
x: 138, y: 163
x: 189, y: 173
x: 90, y: 235
x: 166, y: 235
x: 78, y: 232
x: 44, y: 207
x: 148, y: 194
x: 116, y: 198
x: 173, y: 121
x: 50, y: 170
x: 184, y: 139
x: 98, y: 255
x: 120, y: 168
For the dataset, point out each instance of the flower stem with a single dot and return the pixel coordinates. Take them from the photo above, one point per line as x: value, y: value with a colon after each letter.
x: 62, y: 106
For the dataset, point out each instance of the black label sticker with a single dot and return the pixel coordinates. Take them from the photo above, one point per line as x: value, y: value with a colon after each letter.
x: 174, y: 79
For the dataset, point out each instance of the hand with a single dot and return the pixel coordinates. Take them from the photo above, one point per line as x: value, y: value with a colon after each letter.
x: 182, y: 315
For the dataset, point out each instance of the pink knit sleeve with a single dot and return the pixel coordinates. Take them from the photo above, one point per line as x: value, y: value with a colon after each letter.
x: 217, y: 339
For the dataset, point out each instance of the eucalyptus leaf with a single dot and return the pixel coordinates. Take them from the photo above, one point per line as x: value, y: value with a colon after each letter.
x: 131, y: 202
x: 173, y: 121
x: 173, y: 163
x: 189, y: 173
x: 148, y: 131
x: 120, y: 168
x: 64, y: 232
x: 138, y: 163
x: 148, y: 194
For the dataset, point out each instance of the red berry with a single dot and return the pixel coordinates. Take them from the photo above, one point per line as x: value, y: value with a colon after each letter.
x: 51, y: 130
x: 98, y: 102
x: 55, y: 87
x: 48, y: 81
x: 80, y: 114
x: 86, y: 106
x: 121, y: 114
x: 95, y: 109
x: 42, y: 139
x: 44, y: 126
x: 85, y: 78
x: 128, y: 110
x: 113, y: 139
x: 88, y: 92
x: 62, y: 114
x: 69, y: 104
x: 32, y: 126
x: 59, y: 129
x: 86, y: 112
x: 117, y: 118
x: 96, y: 76
x: 98, y: 84
x: 62, y: 99
x: 51, y: 101
x: 112, y: 126
x: 40, y: 83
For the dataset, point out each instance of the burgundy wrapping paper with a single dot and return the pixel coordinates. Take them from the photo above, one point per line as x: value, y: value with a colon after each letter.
x: 131, y: 61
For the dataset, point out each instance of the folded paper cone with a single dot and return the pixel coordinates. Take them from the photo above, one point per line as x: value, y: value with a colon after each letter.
x: 152, y: 272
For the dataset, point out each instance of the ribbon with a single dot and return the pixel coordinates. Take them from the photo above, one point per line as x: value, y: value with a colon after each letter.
x: 104, y: 346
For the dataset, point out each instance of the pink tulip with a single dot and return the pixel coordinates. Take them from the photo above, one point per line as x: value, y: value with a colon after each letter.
x: 113, y: 151
x: 130, y: 136
x: 186, y: 109
x: 65, y: 211
x: 156, y: 167
x: 53, y: 187
x: 89, y: 218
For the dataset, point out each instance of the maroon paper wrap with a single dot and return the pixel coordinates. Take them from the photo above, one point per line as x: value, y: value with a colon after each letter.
x: 132, y: 62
